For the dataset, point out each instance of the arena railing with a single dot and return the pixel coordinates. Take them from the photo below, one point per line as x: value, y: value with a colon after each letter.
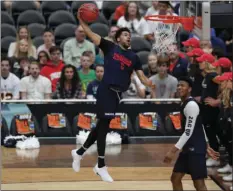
x: 72, y: 107
x: 85, y: 100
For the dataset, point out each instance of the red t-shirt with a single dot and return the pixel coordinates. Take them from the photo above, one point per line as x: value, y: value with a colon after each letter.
x: 52, y: 72
x: 120, y: 11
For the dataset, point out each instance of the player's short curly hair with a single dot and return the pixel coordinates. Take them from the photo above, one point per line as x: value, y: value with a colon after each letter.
x: 187, y: 80
x: 119, y: 31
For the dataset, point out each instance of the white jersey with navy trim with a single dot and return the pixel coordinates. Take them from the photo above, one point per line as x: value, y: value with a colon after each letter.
x: 193, y: 138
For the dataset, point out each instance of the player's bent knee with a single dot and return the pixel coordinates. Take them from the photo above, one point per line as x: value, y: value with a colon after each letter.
x: 199, y: 185
x: 175, y: 179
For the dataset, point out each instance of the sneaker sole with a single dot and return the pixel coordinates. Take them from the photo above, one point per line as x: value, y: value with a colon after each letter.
x: 94, y: 170
x: 226, y: 172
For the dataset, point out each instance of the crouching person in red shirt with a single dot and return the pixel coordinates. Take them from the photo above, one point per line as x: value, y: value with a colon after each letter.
x: 54, y: 66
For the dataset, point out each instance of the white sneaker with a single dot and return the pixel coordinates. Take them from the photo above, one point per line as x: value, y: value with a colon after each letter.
x: 76, y: 160
x: 228, y: 178
x: 211, y: 162
x: 103, y: 173
x: 231, y: 188
x: 227, y: 168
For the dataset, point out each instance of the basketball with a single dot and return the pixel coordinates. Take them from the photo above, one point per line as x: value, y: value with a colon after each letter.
x: 88, y: 12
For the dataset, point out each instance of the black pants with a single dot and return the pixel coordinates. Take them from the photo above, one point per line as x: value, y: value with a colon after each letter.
x: 226, y: 140
x: 210, y: 122
x: 107, y: 103
x: 211, y: 133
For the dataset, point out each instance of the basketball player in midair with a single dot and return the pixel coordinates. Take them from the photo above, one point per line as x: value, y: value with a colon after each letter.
x: 193, y: 142
x: 119, y: 63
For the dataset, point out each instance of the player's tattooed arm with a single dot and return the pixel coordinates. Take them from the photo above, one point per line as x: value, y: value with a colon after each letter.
x: 95, y: 38
x: 145, y: 81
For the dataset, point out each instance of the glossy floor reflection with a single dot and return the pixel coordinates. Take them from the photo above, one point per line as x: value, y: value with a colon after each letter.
x: 133, y: 167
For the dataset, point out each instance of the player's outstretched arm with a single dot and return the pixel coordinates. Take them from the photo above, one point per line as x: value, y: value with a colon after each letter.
x: 95, y: 38
x: 145, y: 81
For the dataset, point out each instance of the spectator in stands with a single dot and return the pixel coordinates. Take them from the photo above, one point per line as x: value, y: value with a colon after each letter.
x: 166, y: 8
x: 120, y: 10
x: 43, y: 58
x: 69, y: 85
x: 54, y: 66
x: 152, y: 64
x: 23, y: 50
x: 93, y: 86
x: 166, y: 84
x: 224, y: 121
x: 9, y: 81
x: 206, y: 46
x: 195, y: 74
x: 154, y: 9
x: 74, y: 48
x: 48, y: 38
x: 23, y: 69
x: 86, y: 74
x: 135, y: 22
x: 111, y: 34
x: 23, y: 33
x: 35, y: 86
x: 136, y: 89
x: 209, y: 111
x: 223, y: 65
x: 191, y: 44
x: 178, y: 66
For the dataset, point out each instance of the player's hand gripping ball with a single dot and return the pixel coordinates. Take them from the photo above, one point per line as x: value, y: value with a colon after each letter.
x: 88, y: 12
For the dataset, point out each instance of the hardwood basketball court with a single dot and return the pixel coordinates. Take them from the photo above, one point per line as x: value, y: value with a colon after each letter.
x: 133, y: 167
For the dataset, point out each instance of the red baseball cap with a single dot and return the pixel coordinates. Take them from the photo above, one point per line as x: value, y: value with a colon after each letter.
x: 223, y: 62
x: 192, y: 42
x: 225, y: 76
x: 196, y: 52
x: 206, y: 58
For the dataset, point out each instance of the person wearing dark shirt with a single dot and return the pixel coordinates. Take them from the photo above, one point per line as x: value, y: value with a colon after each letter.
x: 119, y: 63
x: 178, y: 66
x: 195, y: 74
x: 209, y: 113
x: 69, y: 85
x: 224, y: 121
x: 193, y: 143
x: 93, y: 86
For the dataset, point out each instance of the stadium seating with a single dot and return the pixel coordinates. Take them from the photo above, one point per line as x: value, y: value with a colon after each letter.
x: 29, y: 17
x: 140, y: 44
x: 60, y: 17
x: 64, y: 31
x: 5, y: 43
x: 143, y: 56
x: 109, y: 8
x: 37, y: 41
x: 36, y: 29
x: 6, y: 18
x: 48, y: 7
x: 99, y: 28
x: 8, y: 30
x: 19, y: 7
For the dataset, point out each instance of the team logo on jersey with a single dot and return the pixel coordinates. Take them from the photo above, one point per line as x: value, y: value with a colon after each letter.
x: 190, y: 121
x: 124, y: 61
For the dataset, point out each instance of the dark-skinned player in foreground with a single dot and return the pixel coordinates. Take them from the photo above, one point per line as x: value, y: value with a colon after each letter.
x: 119, y: 63
x: 193, y: 143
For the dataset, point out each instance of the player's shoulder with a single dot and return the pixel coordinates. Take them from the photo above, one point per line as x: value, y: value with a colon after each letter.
x: 192, y: 105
